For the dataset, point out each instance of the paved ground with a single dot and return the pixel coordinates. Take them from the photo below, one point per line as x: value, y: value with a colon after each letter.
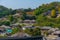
x: 51, y: 37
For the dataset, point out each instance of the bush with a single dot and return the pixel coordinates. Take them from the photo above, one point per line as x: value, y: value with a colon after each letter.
x: 33, y: 32
x: 15, y: 30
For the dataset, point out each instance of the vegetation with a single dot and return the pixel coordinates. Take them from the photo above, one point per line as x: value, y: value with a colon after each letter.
x: 33, y: 32
x: 11, y: 18
x: 15, y: 30
x: 7, y: 23
x: 53, y: 13
x: 40, y: 15
x: 45, y: 15
x: 52, y: 10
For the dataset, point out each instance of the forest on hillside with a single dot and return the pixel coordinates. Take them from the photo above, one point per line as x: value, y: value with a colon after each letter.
x: 48, y: 14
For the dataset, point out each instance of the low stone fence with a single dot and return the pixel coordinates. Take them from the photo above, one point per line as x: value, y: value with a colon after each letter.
x: 24, y: 38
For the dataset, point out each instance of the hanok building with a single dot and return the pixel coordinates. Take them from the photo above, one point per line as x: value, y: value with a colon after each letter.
x: 30, y: 13
x: 57, y: 33
x: 2, y: 31
x: 29, y: 21
x: 18, y: 14
x: 14, y: 25
x: 20, y: 35
x: 29, y: 27
x: 45, y: 29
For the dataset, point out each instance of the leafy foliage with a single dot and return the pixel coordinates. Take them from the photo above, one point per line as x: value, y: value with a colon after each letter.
x: 53, y: 9
x: 15, y: 30
x: 53, y: 13
x: 33, y: 32
x: 7, y: 23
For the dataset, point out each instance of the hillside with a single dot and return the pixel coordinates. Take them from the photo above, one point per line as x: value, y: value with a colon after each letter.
x: 4, y: 11
x: 48, y: 14
x: 45, y: 15
x: 46, y: 8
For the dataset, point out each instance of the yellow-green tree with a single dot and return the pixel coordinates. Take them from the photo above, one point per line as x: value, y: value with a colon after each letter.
x: 53, y: 13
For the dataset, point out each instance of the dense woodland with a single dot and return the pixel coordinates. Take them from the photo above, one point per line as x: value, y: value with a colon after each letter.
x: 48, y: 14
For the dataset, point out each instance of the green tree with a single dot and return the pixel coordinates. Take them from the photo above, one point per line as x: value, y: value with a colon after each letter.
x: 41, y: 19
x: 37, y: 12
x: 33, y: 32
x: 7, y: 23
x: 11, y: 18
x: 15, y: 30
x: 23, y: 15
